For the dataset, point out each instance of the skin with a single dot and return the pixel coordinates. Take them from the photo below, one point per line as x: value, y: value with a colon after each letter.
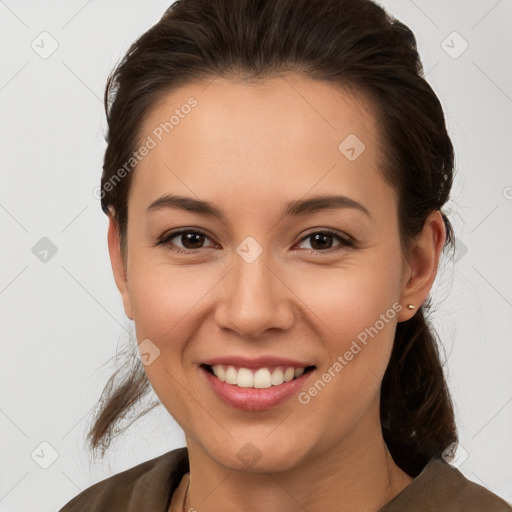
x: 250, y: 148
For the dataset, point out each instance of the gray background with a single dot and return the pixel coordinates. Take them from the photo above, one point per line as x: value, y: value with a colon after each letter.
x: 62, y: 318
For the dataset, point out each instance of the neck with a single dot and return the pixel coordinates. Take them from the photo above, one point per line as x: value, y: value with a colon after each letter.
x: 358, y: 473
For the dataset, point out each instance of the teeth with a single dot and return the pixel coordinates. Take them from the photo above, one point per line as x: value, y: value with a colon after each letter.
x: 245, y: 378
x: 277, y: 377
x: 261, y: 378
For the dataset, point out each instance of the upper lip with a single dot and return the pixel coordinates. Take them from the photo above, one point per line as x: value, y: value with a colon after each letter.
x: 257, y: 362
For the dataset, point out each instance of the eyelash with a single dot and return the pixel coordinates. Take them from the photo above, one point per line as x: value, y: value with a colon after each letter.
x: 345, y: 242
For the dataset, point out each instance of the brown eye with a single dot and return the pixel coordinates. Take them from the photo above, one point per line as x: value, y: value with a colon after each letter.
x: 323, y: 240
x: 190, y: 240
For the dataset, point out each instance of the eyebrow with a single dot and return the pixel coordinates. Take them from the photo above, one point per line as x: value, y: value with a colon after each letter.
x: 295, y: 207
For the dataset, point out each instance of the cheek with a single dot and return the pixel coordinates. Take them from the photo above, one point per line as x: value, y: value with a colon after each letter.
x: 355, y: 321
x: 353, y: 312
x: 346, y: 300
x: 163, y: 297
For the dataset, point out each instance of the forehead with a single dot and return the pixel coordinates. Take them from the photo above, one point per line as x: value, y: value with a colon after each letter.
x: 291, y: 106
x: 219, y: 138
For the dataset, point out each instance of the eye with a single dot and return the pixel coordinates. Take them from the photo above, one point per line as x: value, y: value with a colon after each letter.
x: 190, y: 239
x: 322, y: 240
x: 193, y: 240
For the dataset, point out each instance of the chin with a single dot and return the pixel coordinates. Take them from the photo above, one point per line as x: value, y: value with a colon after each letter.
x: 259, y: 455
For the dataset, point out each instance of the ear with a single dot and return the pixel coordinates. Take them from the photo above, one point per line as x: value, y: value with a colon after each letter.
x: 118, y: 266
x: 422, y: 264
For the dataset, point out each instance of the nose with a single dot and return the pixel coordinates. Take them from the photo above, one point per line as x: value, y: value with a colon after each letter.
x: 254, y: 298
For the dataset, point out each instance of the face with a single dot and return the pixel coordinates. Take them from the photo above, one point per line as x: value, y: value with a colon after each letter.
x: 324, y: 287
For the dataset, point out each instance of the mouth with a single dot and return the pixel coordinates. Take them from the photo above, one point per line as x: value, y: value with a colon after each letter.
x: 258, y: 388
x: 259, y: 378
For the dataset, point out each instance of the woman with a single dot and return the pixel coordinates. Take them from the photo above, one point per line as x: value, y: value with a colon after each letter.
x: 274, y: 181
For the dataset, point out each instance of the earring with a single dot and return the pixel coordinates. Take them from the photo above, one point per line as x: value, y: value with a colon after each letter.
x: 411, y: 306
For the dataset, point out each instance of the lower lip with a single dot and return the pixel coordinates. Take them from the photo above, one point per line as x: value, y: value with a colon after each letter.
x: 255, y: 399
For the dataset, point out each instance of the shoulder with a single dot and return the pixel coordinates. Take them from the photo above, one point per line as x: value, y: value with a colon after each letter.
x: 146, y: 486
x: 441, y: 487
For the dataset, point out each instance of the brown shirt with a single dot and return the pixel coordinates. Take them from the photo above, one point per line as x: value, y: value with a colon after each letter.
x: 150, y: 486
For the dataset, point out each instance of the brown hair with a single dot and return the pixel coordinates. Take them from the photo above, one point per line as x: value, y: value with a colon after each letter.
x: 354, y: 44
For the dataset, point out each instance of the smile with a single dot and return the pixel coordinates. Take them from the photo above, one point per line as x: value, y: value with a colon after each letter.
x: 242, y: 393
x: 260, y: 378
